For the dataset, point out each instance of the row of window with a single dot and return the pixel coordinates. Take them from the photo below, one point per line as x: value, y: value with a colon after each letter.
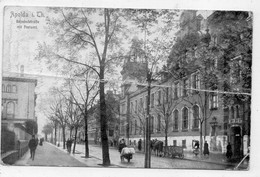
x: 9, y: 88
x: 135, y: 128
x: 163, y: 95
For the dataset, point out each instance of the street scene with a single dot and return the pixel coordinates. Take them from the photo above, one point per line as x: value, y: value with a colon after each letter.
x: 126, y: 88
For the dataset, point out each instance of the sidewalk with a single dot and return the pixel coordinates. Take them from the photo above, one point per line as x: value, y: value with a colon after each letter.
x: 214, y: 158
x: 49, y: 155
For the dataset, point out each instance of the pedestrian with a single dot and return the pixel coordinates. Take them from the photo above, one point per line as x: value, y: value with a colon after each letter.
x: 69, y: 143
x: 196, y: 148
x: 32, y: 146
x: 206, y: 149
x: 121, y: 145
x: 229, y: 151
x: 139, y: 145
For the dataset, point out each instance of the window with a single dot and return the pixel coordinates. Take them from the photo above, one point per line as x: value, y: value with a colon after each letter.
x: 159, y: 97
x: 158, y: 123
x: 10, y: 107
x: 213, y: 101
x: 177, y: 91
x: 226, y: 117
x: 184, y: 143
x: 185, y: 118
x: 152, y: 100
x: 195, y: 117
x: 174, y: 142
x: 237, y: 112
x: 195, y: 83
x: 131, y: 107
x: 151, y: 124
x: 123, y: 108
x: 185, y: 87
x: 232, y: 113
x: 175, y: 119
x: 8, y: 88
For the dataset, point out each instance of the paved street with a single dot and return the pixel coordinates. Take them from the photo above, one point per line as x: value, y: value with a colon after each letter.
x: 156, y: 162
x: 50, y: 155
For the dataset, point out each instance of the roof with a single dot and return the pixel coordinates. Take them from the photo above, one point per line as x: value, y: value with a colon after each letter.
x: 19, y: 79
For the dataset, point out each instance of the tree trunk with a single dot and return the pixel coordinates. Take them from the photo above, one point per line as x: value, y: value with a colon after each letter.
x: 201, y: 123
x: 64, y: 138
x: 103, y: 118
x: 147, y: 160
x: 55, y: 134
x: 75, y: 139
x: 86, y: 133
x: 70, y: 132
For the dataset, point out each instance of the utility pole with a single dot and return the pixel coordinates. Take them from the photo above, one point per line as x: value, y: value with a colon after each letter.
x: 147, y: 163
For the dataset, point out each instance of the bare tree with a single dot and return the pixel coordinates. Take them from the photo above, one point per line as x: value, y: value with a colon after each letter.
x: 164, y: 108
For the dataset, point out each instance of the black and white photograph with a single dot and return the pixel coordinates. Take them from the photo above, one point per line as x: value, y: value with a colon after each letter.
x: 96, y: 87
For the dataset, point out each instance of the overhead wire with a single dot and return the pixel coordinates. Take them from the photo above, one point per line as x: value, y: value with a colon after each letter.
x: 134, y: 82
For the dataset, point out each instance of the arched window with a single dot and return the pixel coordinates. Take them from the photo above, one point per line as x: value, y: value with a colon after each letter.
x: 195, y: 117
x: 175, y: 119
x: 14, y: 89
x: 8, y: 88
x: 3, y: 88
x: 10, y: 110
x: 185, y: 118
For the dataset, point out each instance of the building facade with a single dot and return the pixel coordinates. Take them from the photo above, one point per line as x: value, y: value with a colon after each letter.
x: 18, y: 104
x: 190, y: 103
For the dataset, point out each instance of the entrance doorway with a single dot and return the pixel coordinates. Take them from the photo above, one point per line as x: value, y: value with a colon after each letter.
x: 236, y: 141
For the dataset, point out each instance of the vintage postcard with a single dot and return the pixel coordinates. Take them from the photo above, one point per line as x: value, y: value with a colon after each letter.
x: 138, y: 88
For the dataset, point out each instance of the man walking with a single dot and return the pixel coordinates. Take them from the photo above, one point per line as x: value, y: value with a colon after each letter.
x: 32, y: 146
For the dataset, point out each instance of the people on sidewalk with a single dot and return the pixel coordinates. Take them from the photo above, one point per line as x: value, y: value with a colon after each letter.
x: 196, y: 148
x: 206, y: 149
x: 32, y: 146
x: 229, y: 151
x: 140, y: 145
x: 69, y: 144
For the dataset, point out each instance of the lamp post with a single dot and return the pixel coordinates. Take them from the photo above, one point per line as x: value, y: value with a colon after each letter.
x: 147, y: 132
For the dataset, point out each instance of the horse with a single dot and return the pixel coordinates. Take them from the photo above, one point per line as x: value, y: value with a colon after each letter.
x: 157, y: 147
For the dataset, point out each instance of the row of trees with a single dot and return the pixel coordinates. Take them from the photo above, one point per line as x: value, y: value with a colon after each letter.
x: 93, y: 39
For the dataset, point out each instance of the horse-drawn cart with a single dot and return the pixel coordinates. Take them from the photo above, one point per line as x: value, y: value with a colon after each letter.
x: 174, y: 151
x: 127, y: 153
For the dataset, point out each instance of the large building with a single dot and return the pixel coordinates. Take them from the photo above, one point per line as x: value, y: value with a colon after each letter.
x: 192, y: 101
x: 18, y: 104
